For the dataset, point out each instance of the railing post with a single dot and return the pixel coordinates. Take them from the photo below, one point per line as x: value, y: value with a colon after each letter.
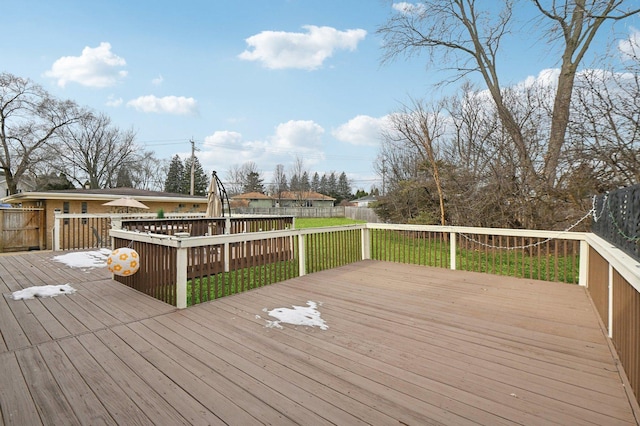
x: 302, y: 265
x: 610, y: 307
x: 366, y: 244
x: 227, y: 226
x: 452, y: 249
x: 583, y: 268
x: 56, y: 231
x: 227, y: 256
x: 181, y: 277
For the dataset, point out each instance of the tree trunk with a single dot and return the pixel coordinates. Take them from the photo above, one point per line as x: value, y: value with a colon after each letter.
x: 560, y: 121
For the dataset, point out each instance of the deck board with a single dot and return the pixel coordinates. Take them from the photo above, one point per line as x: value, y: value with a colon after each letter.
x: 405, y: 345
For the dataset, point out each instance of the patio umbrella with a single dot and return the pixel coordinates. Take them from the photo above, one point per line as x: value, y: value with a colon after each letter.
x: 126, y: 202
x: 214, y: 203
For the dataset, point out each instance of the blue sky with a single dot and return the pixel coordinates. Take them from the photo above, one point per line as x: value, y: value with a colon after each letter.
x: 254, y: 80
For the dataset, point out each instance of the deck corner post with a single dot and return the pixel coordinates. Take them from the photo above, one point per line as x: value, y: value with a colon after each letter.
x: 181, y: 278
x: 583, y: 268
x: 452, y: 250
x: 366, y: 243
x: 302, y: 265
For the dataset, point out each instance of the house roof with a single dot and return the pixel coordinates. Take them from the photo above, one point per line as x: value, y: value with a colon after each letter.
x: 304, y: 195
x: 251, y: 196
x: 285, y: 195
x: 102, y: 194
x: 365, y: 199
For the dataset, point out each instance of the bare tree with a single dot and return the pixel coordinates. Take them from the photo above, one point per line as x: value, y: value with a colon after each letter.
x: 279, y: 182
x: 29, y: 121
x: 234, y: 179
x: 147, y: 171
x: 297, y: 183
x: 577, y: 23
x: 459, y: 33
x: 94, y: 150
x: 420, y: 126
x: 605, y: 134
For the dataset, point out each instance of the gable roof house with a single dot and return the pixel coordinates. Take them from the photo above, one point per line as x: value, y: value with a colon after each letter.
x: 285, y: 199
x: 304, y: 199
x: 364, y: 201
x: 251, y: 200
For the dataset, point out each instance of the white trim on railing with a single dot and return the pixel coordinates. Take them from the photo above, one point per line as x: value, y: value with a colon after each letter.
x: 483, y: 231
x: 621, y: 262
x: 181, y: 278
x: 626, y: 266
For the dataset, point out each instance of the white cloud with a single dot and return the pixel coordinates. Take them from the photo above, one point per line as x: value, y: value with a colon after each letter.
x: 409, y: 8
x: 176, y: 105
x: 545, y: 78
x: 223, y: 138
x: 630, y: 48
x: 95, y: 67
x: 298, y: 135
x: 279, y: 49
x: 158, y: 80
x: 224, y: 147
x: 361, y: 130
x: 293, y: 138
x: 112, y: 101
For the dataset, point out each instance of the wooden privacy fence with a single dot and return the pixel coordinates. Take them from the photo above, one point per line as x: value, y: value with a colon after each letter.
x: 22, y: 229
x: 185, y: 271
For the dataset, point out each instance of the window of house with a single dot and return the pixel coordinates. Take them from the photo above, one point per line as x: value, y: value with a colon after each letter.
x: 84, y: 211
x: 65, y: 210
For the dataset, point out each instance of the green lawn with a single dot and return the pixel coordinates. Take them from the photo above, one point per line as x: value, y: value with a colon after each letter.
x: 325, y: 251
x: 319, y: 222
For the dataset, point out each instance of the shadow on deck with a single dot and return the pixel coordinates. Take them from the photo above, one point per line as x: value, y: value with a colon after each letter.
x: 405, y: 345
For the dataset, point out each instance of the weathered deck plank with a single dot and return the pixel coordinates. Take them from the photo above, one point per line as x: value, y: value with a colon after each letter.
x: 405, y: 345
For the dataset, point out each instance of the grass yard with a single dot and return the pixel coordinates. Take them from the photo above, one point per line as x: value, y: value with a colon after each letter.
x: 319, y: 222
x: 330, y: 250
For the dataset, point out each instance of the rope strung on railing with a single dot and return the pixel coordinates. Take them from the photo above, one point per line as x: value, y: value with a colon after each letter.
x: 521, y: 247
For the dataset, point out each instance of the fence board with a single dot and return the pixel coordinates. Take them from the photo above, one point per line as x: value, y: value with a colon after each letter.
x: 21, y: 229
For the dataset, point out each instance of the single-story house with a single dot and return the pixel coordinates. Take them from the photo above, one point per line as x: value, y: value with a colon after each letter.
x: 251, y: 200
x: 364, y: 201
x: 304, y: 199
x: 285, y: 199
x: 25, y: 184
x: 91, y: 201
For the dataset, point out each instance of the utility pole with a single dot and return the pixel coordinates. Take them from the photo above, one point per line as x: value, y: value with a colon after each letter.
x: 193, y: 166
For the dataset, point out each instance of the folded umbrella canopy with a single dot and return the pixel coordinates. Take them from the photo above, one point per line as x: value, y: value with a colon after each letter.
x: 214, y: 203
x: 126, y: 202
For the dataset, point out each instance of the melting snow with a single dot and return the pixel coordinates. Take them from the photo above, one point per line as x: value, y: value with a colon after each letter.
x: 42, y: 291
x: 299, y: 315
x: 85, y: 259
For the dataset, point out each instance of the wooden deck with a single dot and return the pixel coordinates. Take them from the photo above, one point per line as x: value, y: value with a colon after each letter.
x: 406, y: 345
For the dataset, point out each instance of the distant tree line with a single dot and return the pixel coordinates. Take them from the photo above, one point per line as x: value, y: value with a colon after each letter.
x: 248, y: 178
